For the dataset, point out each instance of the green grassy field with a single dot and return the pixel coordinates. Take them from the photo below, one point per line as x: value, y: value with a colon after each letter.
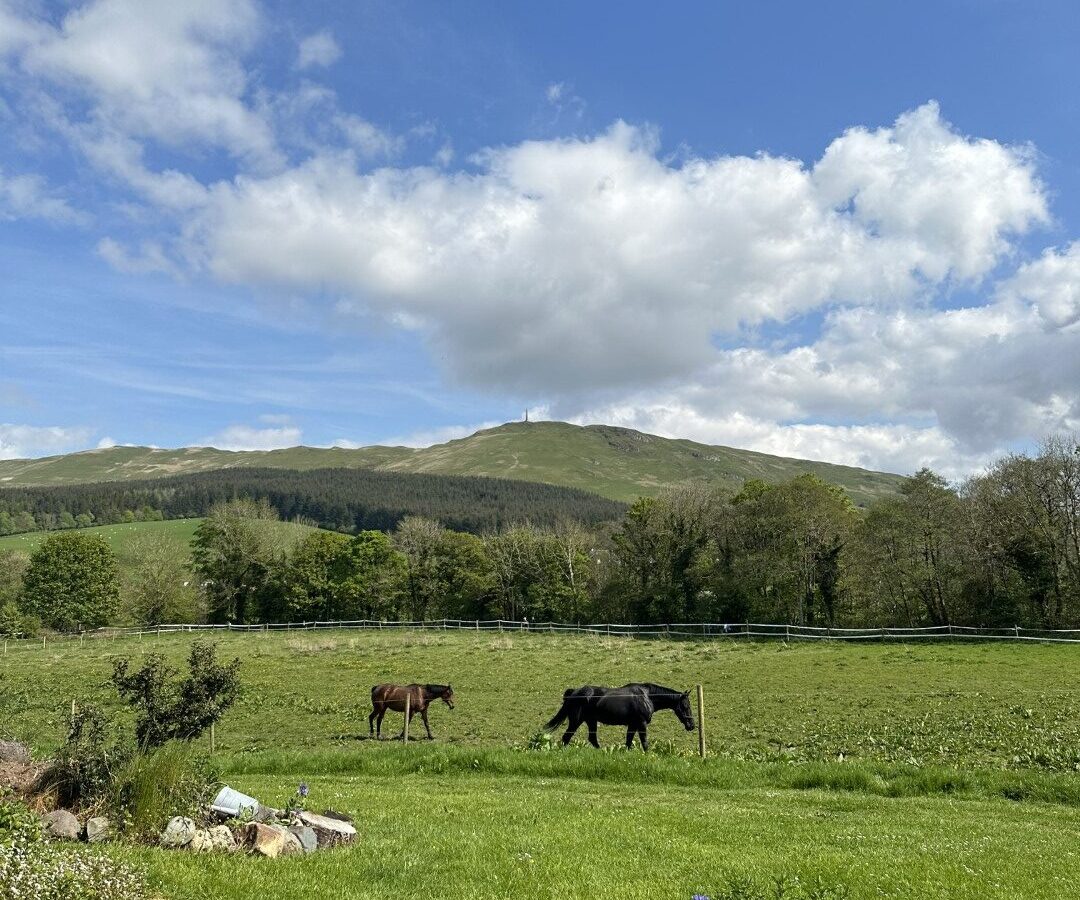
x: 124, y: 538
x: 117, y: 536
x: 615, y: 462
x: 870, y: 770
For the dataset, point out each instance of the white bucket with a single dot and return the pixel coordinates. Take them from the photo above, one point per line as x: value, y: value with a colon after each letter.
x: 231, y: 803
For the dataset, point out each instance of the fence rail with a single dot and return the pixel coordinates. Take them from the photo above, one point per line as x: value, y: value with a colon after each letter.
x: 698, y: 630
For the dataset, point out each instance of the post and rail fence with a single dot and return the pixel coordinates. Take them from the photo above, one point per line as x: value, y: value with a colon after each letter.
x: 664, y: 631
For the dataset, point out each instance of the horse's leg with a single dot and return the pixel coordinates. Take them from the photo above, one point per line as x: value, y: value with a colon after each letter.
x: 630, y: 732
x: 371, y: 719
x: 592, y: 734
x: 378, y: 722
x: 644, y: 739
x: 423, y: 715
x: 572, y: 725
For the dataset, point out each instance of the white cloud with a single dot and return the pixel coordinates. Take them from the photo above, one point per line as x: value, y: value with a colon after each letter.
x: 245, y: 437
x: 319, y: 49
x: 561, y: 97
x: 106, y: 443
x: 28, y: 441
x: 150, y: 257
x: 367, y: 139
x: 587, y: 264
x: 29, y: 197
x: 161, y: 70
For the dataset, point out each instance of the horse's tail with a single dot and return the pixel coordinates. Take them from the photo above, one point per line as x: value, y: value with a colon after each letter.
x: 563, y: 712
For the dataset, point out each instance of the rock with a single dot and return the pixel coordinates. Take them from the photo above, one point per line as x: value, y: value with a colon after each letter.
x: 266, y: 840
x: 97, y: 829
x: 329, y: 831
x: 305, y: 834
x: 62, y: 825
x: 292, y: 841
x: 13, y: 751
x: 201, y: 842
x: 221, y: 838
x: 178, y: 833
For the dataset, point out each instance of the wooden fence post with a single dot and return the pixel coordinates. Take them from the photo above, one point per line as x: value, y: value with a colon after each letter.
x: 213, y: 737
x: 701, y: 720
x: 405, y: 733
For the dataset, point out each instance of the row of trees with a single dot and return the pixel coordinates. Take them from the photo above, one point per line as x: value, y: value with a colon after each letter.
x: 346, y: 500
x: 1002, y: 549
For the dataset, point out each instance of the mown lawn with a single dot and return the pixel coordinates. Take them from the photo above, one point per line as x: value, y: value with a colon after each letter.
x: 944, y: 770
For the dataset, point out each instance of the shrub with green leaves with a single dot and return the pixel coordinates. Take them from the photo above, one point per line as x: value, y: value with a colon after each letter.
x: 168, y: 707
x: 85, y: 768
x: 73, y: 581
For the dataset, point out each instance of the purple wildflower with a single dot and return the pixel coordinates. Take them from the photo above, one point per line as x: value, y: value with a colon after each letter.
x: 302, y: 790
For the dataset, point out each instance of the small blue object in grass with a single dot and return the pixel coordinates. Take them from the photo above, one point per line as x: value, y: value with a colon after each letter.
x: 302, y: 790
x: 700, y: 897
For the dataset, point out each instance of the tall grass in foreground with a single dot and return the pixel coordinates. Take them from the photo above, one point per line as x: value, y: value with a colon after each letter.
x: 154, y: 787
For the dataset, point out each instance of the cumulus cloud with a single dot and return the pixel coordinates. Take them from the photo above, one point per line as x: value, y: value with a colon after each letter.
x: 247, y: 437
x: 319, y: 49
x: 158, y: 69
x: 593, y: 262
x: 27, y: 441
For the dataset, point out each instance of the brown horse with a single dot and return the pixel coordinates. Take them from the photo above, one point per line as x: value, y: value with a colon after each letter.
x: 392, y: 696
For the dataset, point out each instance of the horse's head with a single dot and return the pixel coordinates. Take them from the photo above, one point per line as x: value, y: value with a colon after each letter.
x: 684, y: 712
x: 448, y: 696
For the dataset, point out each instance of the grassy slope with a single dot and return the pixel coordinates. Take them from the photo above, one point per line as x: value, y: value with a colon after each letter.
x: 489, y: 821
x: 119, y: 537
x: 615, y: 462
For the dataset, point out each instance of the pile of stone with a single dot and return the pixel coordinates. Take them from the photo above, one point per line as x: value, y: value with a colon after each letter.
x: 270, y: 832
x: 62, y: 825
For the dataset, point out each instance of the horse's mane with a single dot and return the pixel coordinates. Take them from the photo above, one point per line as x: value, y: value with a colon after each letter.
x: 436, y: 690
x: 659, y: 688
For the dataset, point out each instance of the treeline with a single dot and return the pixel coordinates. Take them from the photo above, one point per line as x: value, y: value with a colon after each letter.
x: 347, y: 500
x: 999, y: 550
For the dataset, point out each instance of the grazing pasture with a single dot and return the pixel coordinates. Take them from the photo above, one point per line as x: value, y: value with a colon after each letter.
x: 943, y: 770
x: 118, y: 537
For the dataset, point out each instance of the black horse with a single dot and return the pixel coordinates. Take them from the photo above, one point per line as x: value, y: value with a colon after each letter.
x: 631, y: 705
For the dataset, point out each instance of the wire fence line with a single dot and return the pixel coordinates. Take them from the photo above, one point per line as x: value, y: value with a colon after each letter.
x: 674, y: 630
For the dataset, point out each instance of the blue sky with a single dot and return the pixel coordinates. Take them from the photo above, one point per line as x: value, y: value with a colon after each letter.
x: 835, y: 230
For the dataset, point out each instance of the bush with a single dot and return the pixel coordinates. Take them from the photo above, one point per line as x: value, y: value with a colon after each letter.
x: 84, y: 770
x: 169, y: 709
x: 73, y: 581
x: 154, y: 787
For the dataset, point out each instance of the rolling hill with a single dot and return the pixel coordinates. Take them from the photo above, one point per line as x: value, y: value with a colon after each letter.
x: 618, y: 463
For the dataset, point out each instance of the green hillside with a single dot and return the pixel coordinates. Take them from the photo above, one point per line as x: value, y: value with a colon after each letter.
x: 121, y: 537
x: 615, y: 462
